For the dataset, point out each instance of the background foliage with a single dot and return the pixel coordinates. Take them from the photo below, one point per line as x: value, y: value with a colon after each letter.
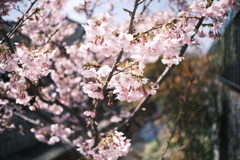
x: 189, y: 98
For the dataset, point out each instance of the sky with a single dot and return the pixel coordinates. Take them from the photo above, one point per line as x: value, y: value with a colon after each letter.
x: 120, y: 15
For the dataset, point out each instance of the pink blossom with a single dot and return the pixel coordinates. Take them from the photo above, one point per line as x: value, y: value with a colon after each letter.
x: 23, y: 99
x: 32, y: 108
x: 112, y: 147
x: 126, y: 80
x: 89, y: 114
x: 89, y: 73
x: 115, y: 119
x: 125, y: 114
x: 135, y: 95
x: 172, y: 61
x: 201, y: 34
x: 53, y: 140
x: 40, y: 137
x: 104, y: 71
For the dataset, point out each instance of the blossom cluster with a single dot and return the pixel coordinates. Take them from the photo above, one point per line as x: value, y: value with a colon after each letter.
x: 45, y: 26
x: 113, y: 146
x: 217, y: 12
x: 22, y: 65
x: 53, y: 134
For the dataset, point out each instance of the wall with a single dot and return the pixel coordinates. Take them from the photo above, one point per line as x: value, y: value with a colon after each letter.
x: 228, y: 67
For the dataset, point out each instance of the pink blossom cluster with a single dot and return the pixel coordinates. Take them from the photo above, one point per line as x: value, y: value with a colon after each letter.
x: 8, y: 62
x: 16, y: 88
x: 63, y: 75
x: 113, y: 146
x: 53, y: 134
x: 33, y: 63
x: 103, y: 37
x: 54, y: 108
x: 129, y: 84
x: 217, y: 12
x: 22, y: 64
x: 89, y: 114
x: 48, y: 24
x: 166, y: 42
x: 93, y: 88
x: 131, y: 87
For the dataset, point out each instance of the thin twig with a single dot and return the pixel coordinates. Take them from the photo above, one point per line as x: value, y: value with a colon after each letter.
x: 36, y: 122
x: 119, y: 71
x: 177, y: 120
x: 21, y: 20
x: 10, y: 25
x: 114, y: 67
x: 25, y: 108
x: 50, y: 37
x: 146, y: 6
x: 56, y: 101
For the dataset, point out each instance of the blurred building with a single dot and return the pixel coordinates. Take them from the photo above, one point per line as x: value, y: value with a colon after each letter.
x: 228, y: 65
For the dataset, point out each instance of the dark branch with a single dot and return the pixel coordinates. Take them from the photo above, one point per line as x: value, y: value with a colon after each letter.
x: 56, y: 101
x: 26, y: 108
x: 130, y: 29
x: 146, y: 6
x: 8, y: 41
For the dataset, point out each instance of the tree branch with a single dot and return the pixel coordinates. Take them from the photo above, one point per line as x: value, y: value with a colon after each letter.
x: 21, y: 20
x: 118, y: 58
x: 146, y: 6
x: 130, y: 29
x: 36, y: 122
x: 25, y: 108
x: 56, y: 101
x: 8, y: 41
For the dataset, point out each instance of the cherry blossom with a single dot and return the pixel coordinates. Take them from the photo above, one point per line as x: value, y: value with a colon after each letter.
x: 89, y: 113
x: 104, y: 71
x: 111, y: 147
x: 115, y: 119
